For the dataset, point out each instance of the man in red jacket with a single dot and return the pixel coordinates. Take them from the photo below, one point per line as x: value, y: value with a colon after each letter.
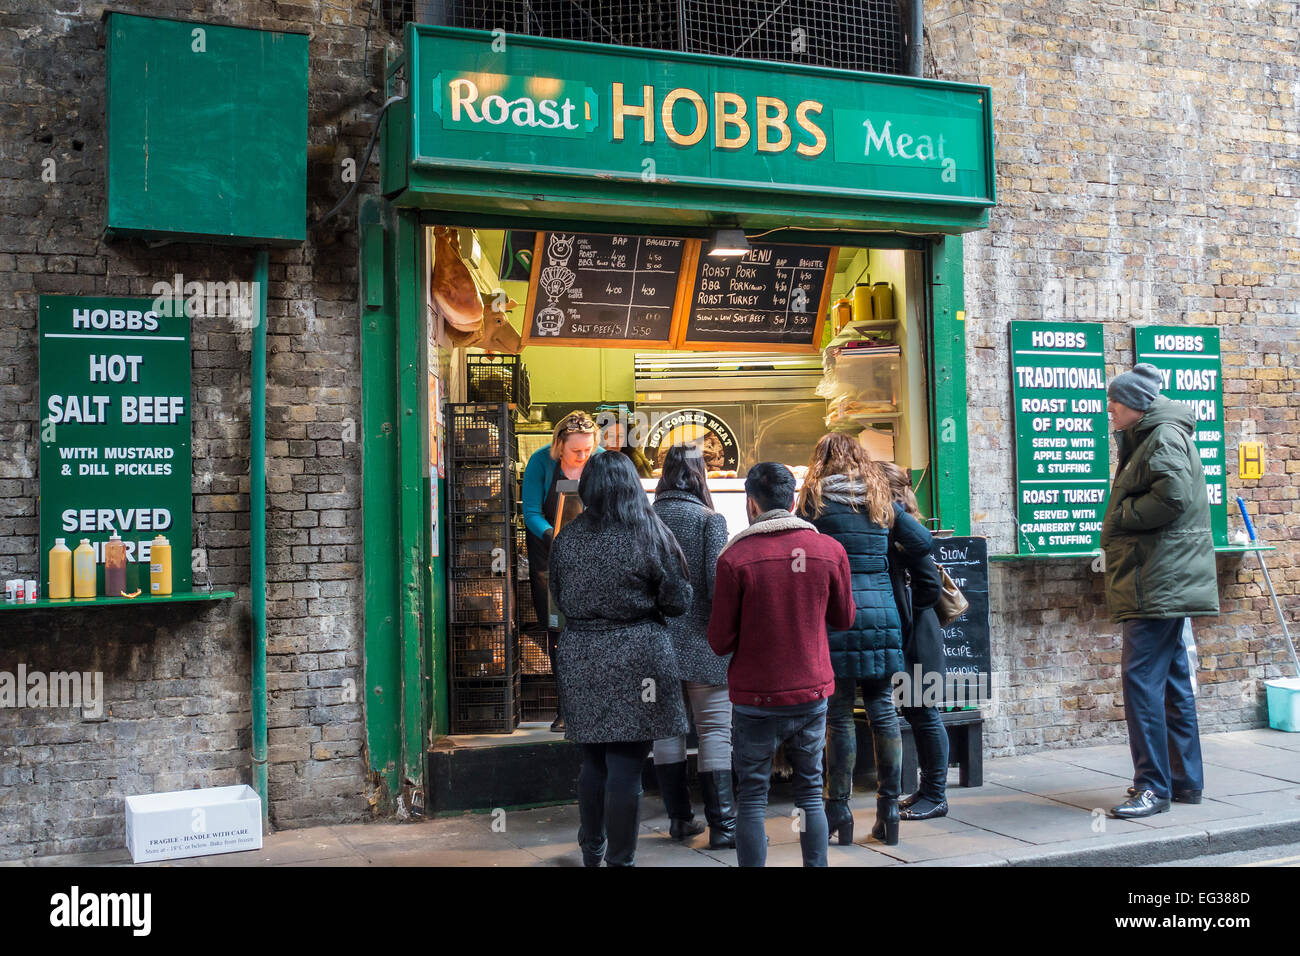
x: 779, y: 586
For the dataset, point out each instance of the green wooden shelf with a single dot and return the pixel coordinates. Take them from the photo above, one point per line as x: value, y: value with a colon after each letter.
x: 73, y: 603
x: 1226, y: 549
x: 1044, y: 557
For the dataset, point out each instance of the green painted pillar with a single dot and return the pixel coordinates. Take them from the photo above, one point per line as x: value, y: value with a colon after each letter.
x: 951, y: 451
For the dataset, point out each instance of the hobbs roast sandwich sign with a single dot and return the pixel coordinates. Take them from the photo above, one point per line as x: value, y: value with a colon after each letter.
x: 584, y: 110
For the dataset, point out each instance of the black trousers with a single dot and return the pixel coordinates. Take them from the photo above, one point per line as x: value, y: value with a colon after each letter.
x: 609, y: 801
x: 539, y: 555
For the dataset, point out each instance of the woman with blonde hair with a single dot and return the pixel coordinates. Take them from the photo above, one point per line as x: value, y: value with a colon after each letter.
x: 846, y: 496
x: 573, y: 442
x: 917, y: 584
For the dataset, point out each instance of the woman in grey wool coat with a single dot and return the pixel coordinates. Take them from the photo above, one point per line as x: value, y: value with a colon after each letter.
x: 617, y: 574
x: 683, y: 501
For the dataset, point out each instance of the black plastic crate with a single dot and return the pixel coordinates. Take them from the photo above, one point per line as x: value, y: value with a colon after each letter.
x: 481, y: 431
x: 482, y: 650
x: 487, y: 706
x: 483, y: 489
x: 533, y: 659
x: 497, y: 378
x: 482, y: 599
x: 525, y: 612
x: 539, y: 699
x: 483, y: 543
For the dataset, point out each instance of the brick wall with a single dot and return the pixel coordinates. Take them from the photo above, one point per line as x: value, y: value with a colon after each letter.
x: 176, y: 678
x: 1154, y: 142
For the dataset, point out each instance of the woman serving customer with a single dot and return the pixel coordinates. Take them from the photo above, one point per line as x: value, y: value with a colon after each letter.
x: 572, y: 444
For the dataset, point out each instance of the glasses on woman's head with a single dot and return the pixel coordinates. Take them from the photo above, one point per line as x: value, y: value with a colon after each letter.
x: 576, y: 423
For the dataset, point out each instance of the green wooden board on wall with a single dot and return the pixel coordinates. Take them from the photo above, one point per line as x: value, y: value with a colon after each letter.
x: 206, y: 131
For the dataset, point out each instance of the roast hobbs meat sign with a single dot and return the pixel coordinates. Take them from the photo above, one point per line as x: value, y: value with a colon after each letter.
x: 578, y: 110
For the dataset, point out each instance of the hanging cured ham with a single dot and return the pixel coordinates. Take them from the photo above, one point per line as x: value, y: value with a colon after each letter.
x: 454, y: 291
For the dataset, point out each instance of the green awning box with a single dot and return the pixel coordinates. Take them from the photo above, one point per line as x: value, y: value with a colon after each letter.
x: 206, y: 132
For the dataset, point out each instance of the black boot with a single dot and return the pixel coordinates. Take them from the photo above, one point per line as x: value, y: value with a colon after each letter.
x: 593, y: 848
x: 622, y: 819
x: 839, y: 819
x: 886, y: 828
x: 677, y: 800
x: 719, y: 809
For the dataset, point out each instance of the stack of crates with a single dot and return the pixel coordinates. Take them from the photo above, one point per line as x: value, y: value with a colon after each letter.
x: 540, y: 697
x: 497, y: 378
x: 483, y: 651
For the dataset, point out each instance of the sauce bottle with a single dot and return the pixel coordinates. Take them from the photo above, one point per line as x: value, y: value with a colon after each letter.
x: 60, y: 571
x: 83, y: 570
x: 160, y: 567
x: 862, y: 302
x: 114, y: 567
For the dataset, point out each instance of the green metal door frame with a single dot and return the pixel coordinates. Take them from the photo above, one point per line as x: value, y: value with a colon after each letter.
x: 949, y: 444
x: 406, y: 602
x: 394, y: 504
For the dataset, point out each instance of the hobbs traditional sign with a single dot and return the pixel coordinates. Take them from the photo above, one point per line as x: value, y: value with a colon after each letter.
x: 1062, y: 443
x: 540, y: 107
x: 115, y: 430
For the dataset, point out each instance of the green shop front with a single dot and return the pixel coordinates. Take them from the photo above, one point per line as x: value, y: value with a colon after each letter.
x: 741, y: 253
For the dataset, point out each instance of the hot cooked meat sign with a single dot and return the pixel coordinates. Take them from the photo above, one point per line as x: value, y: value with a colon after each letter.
x: 706, y: 431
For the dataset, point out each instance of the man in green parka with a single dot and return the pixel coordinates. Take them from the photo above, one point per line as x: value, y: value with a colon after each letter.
x: 1160, y: 571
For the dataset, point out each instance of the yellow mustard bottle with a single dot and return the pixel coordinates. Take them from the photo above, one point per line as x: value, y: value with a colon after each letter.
x: 60, y: 571
x: 83, y: 570
x: 160, y: 567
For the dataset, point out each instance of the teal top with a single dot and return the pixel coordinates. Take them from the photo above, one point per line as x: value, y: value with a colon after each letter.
x: 538, y: 474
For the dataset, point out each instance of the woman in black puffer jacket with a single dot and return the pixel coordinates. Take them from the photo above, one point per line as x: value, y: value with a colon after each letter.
x: 847, y: 496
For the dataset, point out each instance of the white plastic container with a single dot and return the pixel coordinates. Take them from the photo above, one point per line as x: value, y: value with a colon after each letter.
x: 184, y: 823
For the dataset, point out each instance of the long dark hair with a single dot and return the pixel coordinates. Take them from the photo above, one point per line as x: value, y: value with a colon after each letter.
x: 612, y: 496
x: 684, y: 471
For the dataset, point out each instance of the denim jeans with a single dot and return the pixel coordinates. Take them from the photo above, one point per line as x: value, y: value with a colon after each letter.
x: 609, y: 801
x: 756, y: 733
x: 1160, y: 707
x: 711, y: 707
x: 931, y: 738
x: 842, y: 743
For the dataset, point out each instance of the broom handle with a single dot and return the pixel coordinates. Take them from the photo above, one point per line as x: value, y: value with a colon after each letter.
x: 1277, y: 606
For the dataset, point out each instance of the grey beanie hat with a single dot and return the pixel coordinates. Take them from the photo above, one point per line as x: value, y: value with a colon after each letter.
x: 1136, y: 389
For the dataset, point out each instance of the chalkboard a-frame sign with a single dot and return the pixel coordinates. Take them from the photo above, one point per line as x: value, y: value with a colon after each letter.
x: 607, y: 291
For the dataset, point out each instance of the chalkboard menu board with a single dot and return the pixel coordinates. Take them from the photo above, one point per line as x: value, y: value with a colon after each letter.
x: 966, y: 640
x: 604, y: 291
x: 1192, y: 370
x: 1058, y: 388
x: 772, y: 299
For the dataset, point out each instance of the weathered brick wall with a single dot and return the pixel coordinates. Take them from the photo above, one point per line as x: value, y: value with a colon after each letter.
x: 1154, y: 142
x: 176, y: 678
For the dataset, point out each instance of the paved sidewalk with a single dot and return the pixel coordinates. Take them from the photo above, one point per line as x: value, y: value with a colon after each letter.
x: 1042, y: 809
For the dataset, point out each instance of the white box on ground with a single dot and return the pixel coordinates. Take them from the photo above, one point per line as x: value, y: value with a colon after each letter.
x: 172, y: 826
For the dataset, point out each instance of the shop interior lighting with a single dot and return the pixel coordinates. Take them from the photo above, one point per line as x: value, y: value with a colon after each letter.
x: 729, y: 243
